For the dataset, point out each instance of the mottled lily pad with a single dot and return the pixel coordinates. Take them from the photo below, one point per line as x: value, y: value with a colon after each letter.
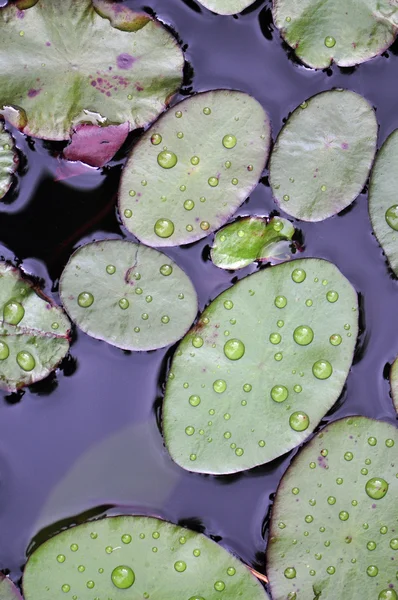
x: 383, y: 203
x: 249, y: 239
x: 79, y: 61
x: 136, y: 557
x: 323, y: 155
x: 189, y: 173
x: 394, y: 383
x: 8, y: 160
x: 334, y: 526
x: 8, y: 591
x: 34, y: 332
x: 131, y: 296
x: 226, y: 7
x: 267, y: 359
x: 347, y: 32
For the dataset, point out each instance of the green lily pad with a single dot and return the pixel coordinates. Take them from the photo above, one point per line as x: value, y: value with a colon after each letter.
x: 266, y: 361
x: 136, y: 557
x: 226, y: 7
x: 249, y: 239
x: 8, y: 160
x: 347, y: 32
x: 79, y: 61
x: 8, y: 591
x: 394, y: 383
x: 189, y: 173
x: 128, y: 295
x: 323, y: 155
x: 34, y: 332
x: 334, y: 526
x: 383, y: 205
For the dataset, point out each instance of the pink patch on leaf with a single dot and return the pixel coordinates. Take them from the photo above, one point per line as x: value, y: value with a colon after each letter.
x: 96, y: 145
x: 125, y: 61
x: 32, y: 93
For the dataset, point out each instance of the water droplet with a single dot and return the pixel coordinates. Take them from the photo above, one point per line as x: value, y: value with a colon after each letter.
x: 299, y: 421
x: 298, y: 389
x: 128, y: 213
x: 156, y: 139
x: 303, y: 335
x: 286, y: 198
x: 124, y: 303
x: 194, y: 400
x: 376, y: 488
x: 207, y: 110
x: 195, y: 160
x: 219, y: 586
x: 61, y: 558
x: 279, y: 393
x: 74, y: 547
x: 122, y: 577
x: 165, y: 319
x: 372, y: 441
x: 281, y: 525
x: 335, y: 339
x: 343, y: 515
x: 205, y: 225
x: 290, y: 573
x: 280, y: 301
x: 330, y: 42
x: 235, y: 181
x: 323, y: 188
x: 26, y: 360
x: 309, y: 519
x: 278, y: 356
x: 392, y: 217
x: 213, y: 181
x: 13, y: 312
x: 4, y: 351
x: 308, y: 302
x: 280, y: 323
x: 295, y: 491
x: 261, y: 443
x: 144, y: 182
x: 331, y: 570
x: 371, y: 546
x: 331, y: 500
x: 332, y: 296
x: 390, y: 443
x: 227, y: 417
x: 167, y: 159
x: 394, y: 544
x: 275, y: 338
x: 189, y: 430
x: 239, y: 451
x: 372, y: 571
x: 65, y: 588
x: 229, y: 141
x: 388, y: 595
x: 219, y: 386
x: 90, y: 584
x: 322, y: 369
x: 81, y: 568
x: 383, y: 529
x: 348, y: 456
x: 85, y: 299
x: 180, y: 566
x: 197, y: 341
x: 164, y: 228
x: 180, y: 135
x: 234, y: 349
x: 299, y: 275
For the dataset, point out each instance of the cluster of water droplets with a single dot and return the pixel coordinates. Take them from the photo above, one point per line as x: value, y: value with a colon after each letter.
x: 13, y: 313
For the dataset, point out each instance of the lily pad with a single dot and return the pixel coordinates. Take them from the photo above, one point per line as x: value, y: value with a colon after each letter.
x: 79, y: 61
x: 323, y: 155
x: 383, y: 205
x: 34, y: 332
x: 8, y: 591
x: 8, y: 160
x: 249, y: 239
x: 347, y: 32
x: 128, y: 295
x: 266, y: 361
x: 189, y: 173
x: 138, y: 557
x: 334, y: 522
x: 394, y: 383
x: 226, y: 7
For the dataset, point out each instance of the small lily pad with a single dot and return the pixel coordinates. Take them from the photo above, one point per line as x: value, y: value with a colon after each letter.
x: 83, y: 61
x: 34, y: 332
x: 8, y: 160
x: 190, y: 172
x: 334, y: 522
x: 394, y: 383
x: 383, y: 204
x: 323, y: 155
x: 8, y: 591
x: 226, y: 7
x: 136, y: 557
x: 266, y: 361
x: 249, y: 239
x: 128, y: 295
x: 347, y: 32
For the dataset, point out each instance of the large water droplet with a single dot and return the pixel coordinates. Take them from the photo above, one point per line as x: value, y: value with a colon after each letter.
x: 330, y: 42
x: 194, y: 400
x: 219, y: 386
x: 219, y: 586
x: 123, y: 577
x: 279, y: 393
x: 164, y: 228
x: 234, y: 349
x: 275, y: 338
x: 126, y: 538
x: 26, y: 360
x: 85, y: 299
x: 213, y: 181
x: 372, y: 571
x: 303, y: 335
x: 61, y: 558
x: 229, y: 141
x: 280, y: 301
x: 290, y: 573
x: 180, y: 566
x: 299, y: 275
x: 335, y: 339
x: 167, y: 159
x: 13, y: 312
x: 388, y: 595
x: 299, y: 421
x: 4, y: 351
x: 392, y: 217
x: 376, y: 488
x: 343, y: 515
x: 65, y: 588
x: 197, y: 341
x: 394, y: 544
x: 322, y: 369
x: 332, y: 296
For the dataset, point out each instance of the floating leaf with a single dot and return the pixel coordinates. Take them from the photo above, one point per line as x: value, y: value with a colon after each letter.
x: 226, y: 7
x: 334, y: 521
x: 8, y: 160
x: 95, y: 145
x: 249, y: 239
x: 78, y: 61
x: 267, y: 359
x: 383, y: 204
x: 34, y: 332
x: 394, y: 383
x: 323, y: 155
x: 347, y: 32
x: 189, y: 173
x: 8, y: 591
x: 136, y: 557
x: 131, y: 296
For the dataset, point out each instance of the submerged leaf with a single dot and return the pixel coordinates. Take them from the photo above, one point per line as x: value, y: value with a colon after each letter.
x: 128, y: 295
x: 347, y: 32
x: 249, y: 239
x: 189, y: 173
x: 8, y: 591
x: 8, y: 160
x: 266, y: 361
x: 383, y: 203
x: 226, y: 7
x: 394, y: 383
x: 70, y: 65
x: 136, y: 557
x: 34, y: 332
x: 96, y: 145
x: 334, y: 521
x: 323, y: 155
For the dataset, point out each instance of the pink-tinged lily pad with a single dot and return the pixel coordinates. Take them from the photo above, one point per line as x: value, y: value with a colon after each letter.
x: 96, y: 145
x: 8, y: 590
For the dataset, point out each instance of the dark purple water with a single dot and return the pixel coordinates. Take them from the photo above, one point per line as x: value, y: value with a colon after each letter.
x: 87, y: 437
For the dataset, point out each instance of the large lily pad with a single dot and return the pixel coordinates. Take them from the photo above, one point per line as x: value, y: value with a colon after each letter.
x: 226, y: 7
x: 34, y: 332
x: 131, y: 296
x: 79, y: 61
x: 323, y: 155
x: 249, y: 239
x: 8, y: 591
x: 394, y: 383
x: 267, y: 359
x: 189, y: 173
x: 383, y: 204
x: 334, y: 526
x: 8, y: 160
x: 136, y: 557
x: 347, y: 32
